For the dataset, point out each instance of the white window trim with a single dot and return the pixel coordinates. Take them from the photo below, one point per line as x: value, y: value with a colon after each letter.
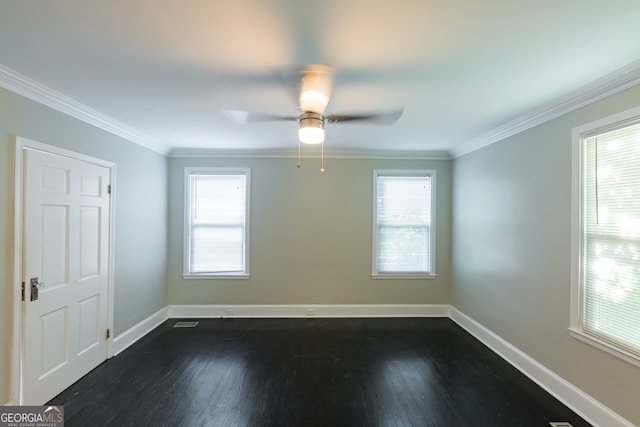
x: 579, y: 135
x: 375, y: 274
x: 188, y: 171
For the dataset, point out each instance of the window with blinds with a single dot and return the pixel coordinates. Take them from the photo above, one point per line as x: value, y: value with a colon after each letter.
x: 403, y: 235
x: 609, y: 268
x: 216, y: 232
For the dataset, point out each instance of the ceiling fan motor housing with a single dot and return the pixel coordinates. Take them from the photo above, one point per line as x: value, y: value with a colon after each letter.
x: 312, y: 119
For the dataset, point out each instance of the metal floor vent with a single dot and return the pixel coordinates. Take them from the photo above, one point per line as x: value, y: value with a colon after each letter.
x: 186, y: 324
x: 560, y: 424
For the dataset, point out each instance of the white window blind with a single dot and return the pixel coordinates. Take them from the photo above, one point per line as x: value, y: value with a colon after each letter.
x: 216, y: 241
x: 403, y: 217
x: 610, y: 276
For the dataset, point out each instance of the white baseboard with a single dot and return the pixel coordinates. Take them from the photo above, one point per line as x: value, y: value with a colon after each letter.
x: 581, y: 403
x: 308, y: 311
x: 133, y: 334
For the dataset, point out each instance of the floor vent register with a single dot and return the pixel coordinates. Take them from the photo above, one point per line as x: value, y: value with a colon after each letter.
x: 186, y: 324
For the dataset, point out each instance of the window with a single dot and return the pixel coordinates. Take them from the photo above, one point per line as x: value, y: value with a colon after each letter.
x: 403, y: 218
x: 216, y: 222
x: 606, y: 234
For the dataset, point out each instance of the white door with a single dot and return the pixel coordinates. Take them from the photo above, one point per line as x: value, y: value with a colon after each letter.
x: 66, y: 245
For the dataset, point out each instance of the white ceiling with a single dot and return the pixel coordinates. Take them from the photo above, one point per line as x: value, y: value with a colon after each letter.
x: 460, y: 68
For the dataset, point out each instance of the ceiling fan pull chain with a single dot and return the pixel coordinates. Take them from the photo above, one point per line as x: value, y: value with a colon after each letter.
x: 322, y: 158
x: 299, y: 143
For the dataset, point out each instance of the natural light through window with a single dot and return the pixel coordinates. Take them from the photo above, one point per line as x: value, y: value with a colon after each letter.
x: 216, y: 229
x: 403, y: 235
x: 607, y: 295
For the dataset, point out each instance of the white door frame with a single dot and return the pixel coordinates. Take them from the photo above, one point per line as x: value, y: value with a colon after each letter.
x: 18, y: 261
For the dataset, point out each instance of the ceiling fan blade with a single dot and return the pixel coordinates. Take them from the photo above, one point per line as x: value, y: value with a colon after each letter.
x: 382, y: 118
x: 243, y: 117
x: 290, y: 77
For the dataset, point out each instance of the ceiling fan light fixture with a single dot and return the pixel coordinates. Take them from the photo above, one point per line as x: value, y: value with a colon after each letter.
x: 311, y: 130
x: 313, y: 100
x: 315, y: 89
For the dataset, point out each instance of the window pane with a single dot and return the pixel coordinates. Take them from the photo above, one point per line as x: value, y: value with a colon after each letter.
x: 217, y: 199
x: 404, y: 200
x: 217, y: 249
x: 403, y: 223
x: 403, y: 249
x: 217, y: 223
x: 611, y: 276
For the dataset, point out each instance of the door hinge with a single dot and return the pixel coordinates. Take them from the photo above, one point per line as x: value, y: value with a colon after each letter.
x: 22, y: 291
x: 109, y: 189
x: 108, y: 333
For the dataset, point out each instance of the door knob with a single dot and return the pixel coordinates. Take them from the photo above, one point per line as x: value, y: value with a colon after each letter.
x: 35, y: 287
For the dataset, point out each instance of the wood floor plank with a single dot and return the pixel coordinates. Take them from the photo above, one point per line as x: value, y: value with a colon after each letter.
x: 310, y: 372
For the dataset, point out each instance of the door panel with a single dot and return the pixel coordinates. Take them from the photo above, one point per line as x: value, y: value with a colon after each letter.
x: 89, y: 241
x: 66, y: 230
x: 55, y: 229
x: 53, y: 326
x: 89, y: 323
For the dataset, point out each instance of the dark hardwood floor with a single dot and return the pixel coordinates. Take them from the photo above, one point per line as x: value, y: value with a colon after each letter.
x: 310, y: 372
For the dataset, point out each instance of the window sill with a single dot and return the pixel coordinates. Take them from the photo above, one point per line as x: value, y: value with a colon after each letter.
x: 383, y: 276
x: 606, y: 347
x: 216, y: 276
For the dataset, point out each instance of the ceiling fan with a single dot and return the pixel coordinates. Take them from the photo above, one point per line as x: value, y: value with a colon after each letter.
x: 311, y: 86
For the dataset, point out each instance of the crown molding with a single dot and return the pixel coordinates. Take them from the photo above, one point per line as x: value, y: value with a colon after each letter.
x: 15, y: 82
x: 332, y: 154
x: 608, y: 85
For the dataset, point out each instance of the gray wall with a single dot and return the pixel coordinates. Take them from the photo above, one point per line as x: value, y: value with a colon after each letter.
x: 512, y: 247
x: 141, y: 213
x: 310, y: 236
